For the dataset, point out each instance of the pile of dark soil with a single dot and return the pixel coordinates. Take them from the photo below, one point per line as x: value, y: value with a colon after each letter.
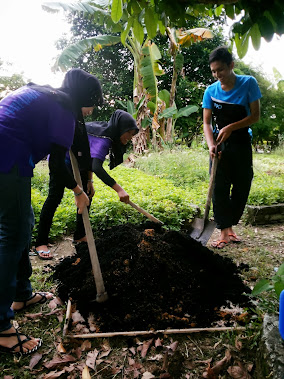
x: 154, y: 278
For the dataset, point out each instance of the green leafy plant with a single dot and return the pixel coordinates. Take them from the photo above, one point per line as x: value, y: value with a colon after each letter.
x: 168, y: 185
x: 276, y: 283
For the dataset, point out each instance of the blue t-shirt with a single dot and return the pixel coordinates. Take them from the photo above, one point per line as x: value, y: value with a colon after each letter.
x: 232, y: 106
x: 30, y: 122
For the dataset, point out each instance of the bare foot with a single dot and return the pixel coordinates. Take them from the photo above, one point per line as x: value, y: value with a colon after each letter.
x: 220, y: 244
x: 9, y: 342
x: 232, y: 236
x: 43, y: 252
x: 38, y: 298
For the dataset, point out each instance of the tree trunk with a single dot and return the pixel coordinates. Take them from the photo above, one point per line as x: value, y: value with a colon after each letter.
x: 169, y: 133
x: 140, y: 139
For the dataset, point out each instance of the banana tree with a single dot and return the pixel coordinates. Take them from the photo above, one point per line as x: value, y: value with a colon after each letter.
x: 181, y: 39
x: 157, y: 118
x: 145, y: 54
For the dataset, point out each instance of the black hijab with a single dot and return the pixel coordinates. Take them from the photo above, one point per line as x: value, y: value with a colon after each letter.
x: 119, y: 123
x: 79, y: 89
x: 83, y: 88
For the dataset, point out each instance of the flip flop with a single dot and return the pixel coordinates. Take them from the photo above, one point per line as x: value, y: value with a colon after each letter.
x: 20, y: 343
x: 41, y: 301
x: 236, y: 240
x: 38, y: 252
x: 220, y: 244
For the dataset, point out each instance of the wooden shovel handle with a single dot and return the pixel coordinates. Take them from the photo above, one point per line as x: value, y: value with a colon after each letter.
x: 211, y: 185
x: 101, y: 293
x: 141, y: 210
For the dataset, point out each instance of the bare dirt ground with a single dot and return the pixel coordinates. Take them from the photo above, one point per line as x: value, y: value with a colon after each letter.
x: 191, y: 356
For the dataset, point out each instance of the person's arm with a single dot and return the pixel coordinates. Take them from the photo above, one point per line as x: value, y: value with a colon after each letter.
x: 97, y: 167
x: 90, y: 186
x: 254, y: 116
x: 208, y: 131
x: 58, y: 167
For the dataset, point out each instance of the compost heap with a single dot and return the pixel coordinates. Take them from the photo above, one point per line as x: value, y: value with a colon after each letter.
x: 155, y: 279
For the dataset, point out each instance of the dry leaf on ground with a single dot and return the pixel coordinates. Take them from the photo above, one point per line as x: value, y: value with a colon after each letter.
x: 34, y: 360
x: 60, y: 348
x: 145, y: 348
x: 54, y: 374
x: 239, y: 372
x: 147, y: 375
x: 77, y: 317
x: 213, y: 372
x: 86, y: 373
x: 91, y: 358
x: 58, y: 361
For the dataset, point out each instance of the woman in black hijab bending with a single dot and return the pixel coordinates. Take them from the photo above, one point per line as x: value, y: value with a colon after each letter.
x: 110, y: 138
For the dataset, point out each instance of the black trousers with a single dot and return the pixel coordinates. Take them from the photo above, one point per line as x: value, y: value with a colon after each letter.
x: 232, y: 184
x: 55, y: 195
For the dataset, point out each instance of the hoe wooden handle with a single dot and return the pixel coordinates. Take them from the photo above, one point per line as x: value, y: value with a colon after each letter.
x: 101, y: 293
x: 141, y: 210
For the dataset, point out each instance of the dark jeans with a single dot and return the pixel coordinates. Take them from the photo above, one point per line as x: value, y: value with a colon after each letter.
x: 232, y: 184
x: 55, y: 195
x: 16, y: 222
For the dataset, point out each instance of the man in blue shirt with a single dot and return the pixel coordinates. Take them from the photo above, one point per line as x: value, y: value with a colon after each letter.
x: 230, y: 106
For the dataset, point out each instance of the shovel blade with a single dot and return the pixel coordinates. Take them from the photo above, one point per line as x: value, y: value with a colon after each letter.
x: 202, y: 230
x: 196, y: 228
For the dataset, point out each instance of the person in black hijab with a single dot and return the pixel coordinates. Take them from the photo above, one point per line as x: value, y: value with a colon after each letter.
x: 110, y: 138
x: 34, y: 121
x: 82, y: 105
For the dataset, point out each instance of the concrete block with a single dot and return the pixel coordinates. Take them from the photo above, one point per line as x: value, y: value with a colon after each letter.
x: 264, y: 214
x: 270, y: 356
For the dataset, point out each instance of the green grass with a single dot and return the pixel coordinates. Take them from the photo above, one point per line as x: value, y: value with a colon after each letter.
x: 160, y: 197
x: 165, y: 184
x: 188, y: 169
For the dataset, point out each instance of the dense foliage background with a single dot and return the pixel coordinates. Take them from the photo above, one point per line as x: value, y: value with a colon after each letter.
x: 113, y: 65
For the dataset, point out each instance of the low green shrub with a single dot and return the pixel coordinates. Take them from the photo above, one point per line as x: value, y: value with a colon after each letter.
x: 160, y: 197
x: 276, y: 283
x: 65, y: 216
x: 184, y: 167
x: 40, y: 180
x: 188, y: 169
x: 171, y: 204
x: 164, y: 184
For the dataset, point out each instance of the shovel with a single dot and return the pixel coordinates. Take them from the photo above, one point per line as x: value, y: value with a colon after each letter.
x: 141, y: 210
x: 101, y: 292
x: 201, y: 229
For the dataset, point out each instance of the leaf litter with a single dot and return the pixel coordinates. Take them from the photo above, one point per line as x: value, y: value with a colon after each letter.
x: 194, y: 355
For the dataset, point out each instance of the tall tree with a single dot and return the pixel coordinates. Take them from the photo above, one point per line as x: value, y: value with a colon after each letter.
x: 270, y: 127
x: 9, y: 83
x: 255, y: 18
x: 145, y: 55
